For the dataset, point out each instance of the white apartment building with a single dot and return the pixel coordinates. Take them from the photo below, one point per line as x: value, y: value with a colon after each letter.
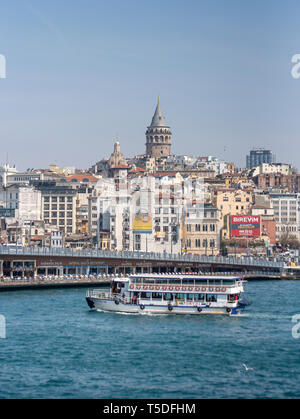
x: 9, y: 197
x: 24, y: 201
x: 24, y: 178
x: 57, y: 239
x: 218, y: 166
x: 287, y: 214
x: 268, y: 168
x: 30, y: 204
x: 5, y: 172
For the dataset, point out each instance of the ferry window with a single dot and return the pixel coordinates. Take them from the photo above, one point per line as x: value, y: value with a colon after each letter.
x: 174, y: 281
x: 180, y: 297
x: 161, y: 281
x: 211, y: 298
x: 226, y: 282
x: 156, y: 296
x: 189, y: 281
x: 145, y: 295
x: 189, y: 297
x: 199, y: 297
x: 201, y: 281
x: 148, y: 281
x: 215, y: 282
x: 168, y: 296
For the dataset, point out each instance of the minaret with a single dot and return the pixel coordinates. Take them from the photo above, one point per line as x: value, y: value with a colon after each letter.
x: 158, y: 136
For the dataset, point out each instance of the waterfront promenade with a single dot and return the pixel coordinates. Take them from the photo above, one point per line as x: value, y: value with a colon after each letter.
x: 81, y: 281
x: 8, y: 284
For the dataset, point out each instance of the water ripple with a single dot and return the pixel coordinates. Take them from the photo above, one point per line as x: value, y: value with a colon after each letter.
x: 57, y: 348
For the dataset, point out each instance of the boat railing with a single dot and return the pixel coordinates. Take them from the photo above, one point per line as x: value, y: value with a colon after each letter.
x: 104, y: 294
x: 207, y: 284
x: 98, y: 294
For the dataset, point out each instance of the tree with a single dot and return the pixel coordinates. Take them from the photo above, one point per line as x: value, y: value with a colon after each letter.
x: 287, y: 240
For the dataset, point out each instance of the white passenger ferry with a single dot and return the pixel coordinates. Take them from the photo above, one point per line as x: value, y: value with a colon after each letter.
x: 171, y: 294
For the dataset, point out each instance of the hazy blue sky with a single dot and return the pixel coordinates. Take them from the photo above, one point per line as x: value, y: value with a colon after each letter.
x: 80, y: 72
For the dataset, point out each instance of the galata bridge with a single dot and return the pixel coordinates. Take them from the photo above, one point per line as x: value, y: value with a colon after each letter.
x: 22, y: 262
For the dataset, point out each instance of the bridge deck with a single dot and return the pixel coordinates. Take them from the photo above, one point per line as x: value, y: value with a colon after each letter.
x: 114, y: 256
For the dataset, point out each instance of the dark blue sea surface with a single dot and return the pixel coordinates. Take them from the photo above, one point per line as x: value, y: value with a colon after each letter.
x: 56, y: 348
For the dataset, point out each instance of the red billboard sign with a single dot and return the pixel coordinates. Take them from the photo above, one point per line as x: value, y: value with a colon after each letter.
x: 245, y: 226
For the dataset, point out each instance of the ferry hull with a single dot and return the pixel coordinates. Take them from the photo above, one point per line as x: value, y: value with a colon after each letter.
x: 120, y: 307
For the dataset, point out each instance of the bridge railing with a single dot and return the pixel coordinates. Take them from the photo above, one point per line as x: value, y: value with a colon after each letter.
x: 110, y: 254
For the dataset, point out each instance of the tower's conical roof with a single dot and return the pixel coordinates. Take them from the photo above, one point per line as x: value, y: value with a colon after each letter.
x: 158, y: 119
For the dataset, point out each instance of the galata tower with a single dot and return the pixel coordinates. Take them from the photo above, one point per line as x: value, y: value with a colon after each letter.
x: 158, y: 136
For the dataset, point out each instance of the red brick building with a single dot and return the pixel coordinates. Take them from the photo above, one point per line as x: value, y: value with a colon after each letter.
x: 290, y: 183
